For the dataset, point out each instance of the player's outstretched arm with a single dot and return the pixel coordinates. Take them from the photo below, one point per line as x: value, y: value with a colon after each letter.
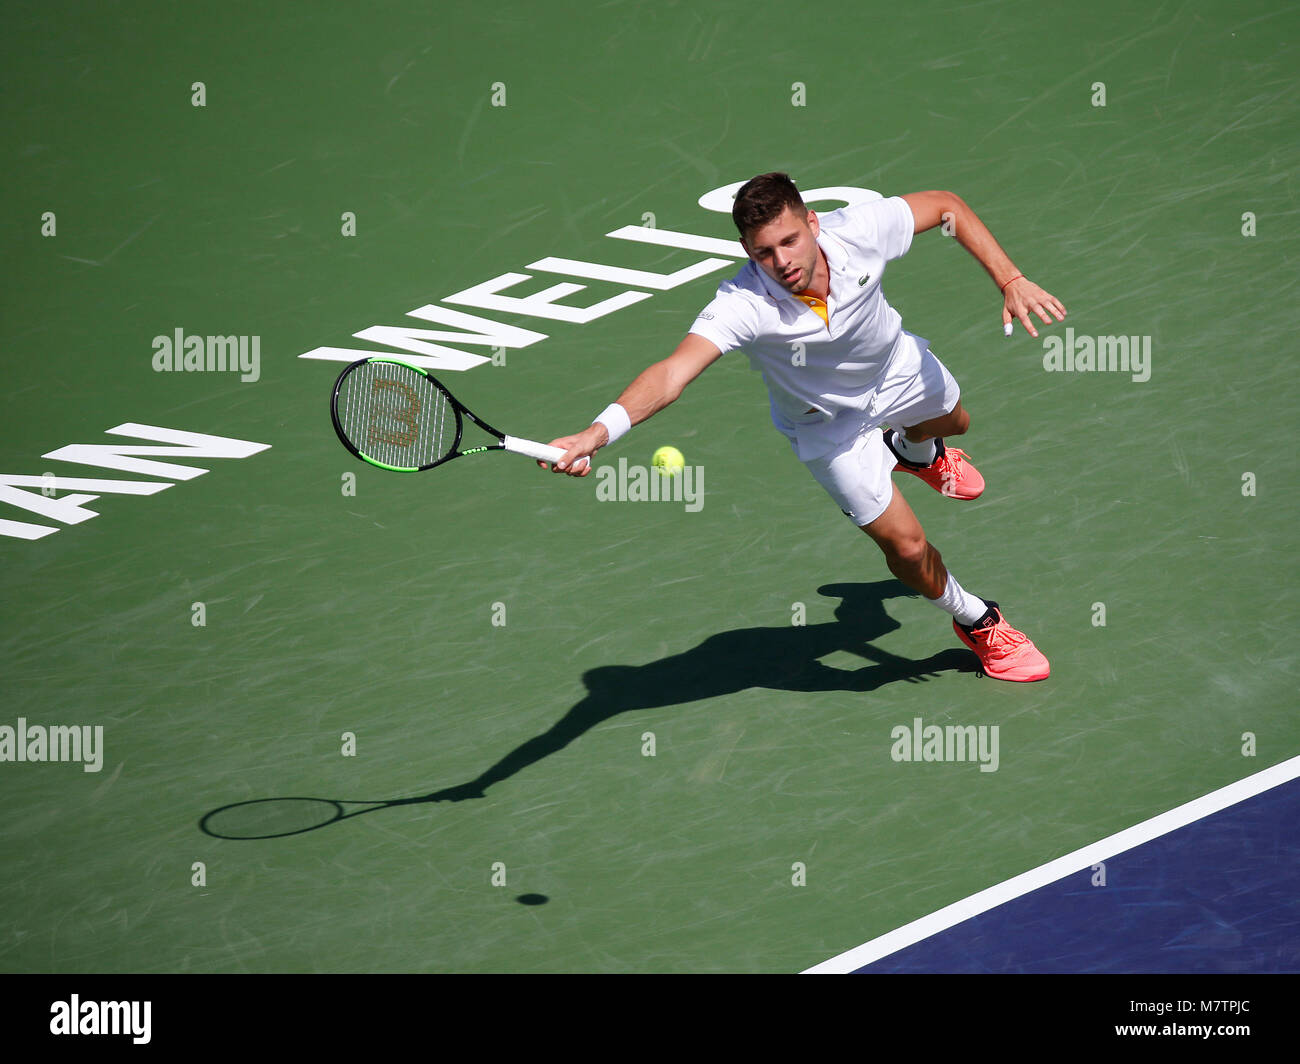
x: 1021, y: 296
x: 653, y: 389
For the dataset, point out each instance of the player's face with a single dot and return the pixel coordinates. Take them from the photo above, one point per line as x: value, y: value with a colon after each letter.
x: 786, y: 248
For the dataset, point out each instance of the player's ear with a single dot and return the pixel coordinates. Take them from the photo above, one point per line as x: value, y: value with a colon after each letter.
x: 813, y: 223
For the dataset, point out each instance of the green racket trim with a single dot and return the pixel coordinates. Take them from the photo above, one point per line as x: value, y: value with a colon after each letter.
x: 385, y: 465
x: 399, y: 362
x: 416, y: 469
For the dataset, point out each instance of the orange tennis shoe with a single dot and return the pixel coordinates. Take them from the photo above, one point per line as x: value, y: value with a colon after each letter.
x: 1005, y: 653
x: 949, y: 474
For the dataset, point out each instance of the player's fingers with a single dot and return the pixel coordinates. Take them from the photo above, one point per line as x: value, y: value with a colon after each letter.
x: 1027, y: 322
x: 571, y: 456
x: 561, y: 443
x: 566, y: 444
x: 1038, y: 308
x: 1046, y: 299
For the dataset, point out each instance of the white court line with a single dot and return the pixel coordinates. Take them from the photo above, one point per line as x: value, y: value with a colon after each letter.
x: 1011, y: 889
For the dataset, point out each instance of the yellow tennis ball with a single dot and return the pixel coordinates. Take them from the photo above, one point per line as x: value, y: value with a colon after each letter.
x: 668, y: 460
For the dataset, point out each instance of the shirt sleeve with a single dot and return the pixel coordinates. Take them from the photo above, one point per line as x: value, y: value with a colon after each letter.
x: 727, y: 322
x: 885, y: 224
x: 897, y: 224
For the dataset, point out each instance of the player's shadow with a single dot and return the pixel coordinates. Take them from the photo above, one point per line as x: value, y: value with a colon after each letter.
x: 786, y: 658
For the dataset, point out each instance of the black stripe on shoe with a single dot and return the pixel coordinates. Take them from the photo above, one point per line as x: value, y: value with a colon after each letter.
x: 989, y: 616
x: 939, y: 450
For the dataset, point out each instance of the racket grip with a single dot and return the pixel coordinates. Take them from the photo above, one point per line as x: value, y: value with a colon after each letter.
x: 541, y: 451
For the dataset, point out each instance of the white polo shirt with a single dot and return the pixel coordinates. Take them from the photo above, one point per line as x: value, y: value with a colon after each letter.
x: 841, y: 364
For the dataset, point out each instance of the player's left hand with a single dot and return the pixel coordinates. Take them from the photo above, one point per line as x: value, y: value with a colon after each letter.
x: 1023, y: 297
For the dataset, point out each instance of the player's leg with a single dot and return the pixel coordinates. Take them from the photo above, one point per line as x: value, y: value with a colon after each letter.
x: 1004, y: 652
x: 916, y: 562
x: 954, y: 423
x: 910, y: 556
x: 928, y: 408
x: 857, y: 476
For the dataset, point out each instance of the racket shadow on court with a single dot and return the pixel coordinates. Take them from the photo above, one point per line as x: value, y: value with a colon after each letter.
x: 785, y: 658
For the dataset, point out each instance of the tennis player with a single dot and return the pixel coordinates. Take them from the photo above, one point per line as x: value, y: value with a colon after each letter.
x: 857, y: 395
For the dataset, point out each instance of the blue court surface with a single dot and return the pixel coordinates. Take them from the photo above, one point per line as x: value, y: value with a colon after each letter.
x: 1220, y: 894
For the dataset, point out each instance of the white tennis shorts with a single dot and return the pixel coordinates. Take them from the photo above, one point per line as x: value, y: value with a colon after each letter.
x: 857, y: 473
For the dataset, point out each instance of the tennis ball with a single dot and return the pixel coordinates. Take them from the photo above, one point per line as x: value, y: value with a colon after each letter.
x: 668, y: 460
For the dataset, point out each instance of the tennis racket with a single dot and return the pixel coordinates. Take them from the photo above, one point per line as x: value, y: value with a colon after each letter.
x: 274, y: 818
x: 397, y: 416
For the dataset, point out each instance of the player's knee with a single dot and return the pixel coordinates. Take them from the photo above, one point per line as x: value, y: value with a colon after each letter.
x: 961, y: 422
x: 906, y: 551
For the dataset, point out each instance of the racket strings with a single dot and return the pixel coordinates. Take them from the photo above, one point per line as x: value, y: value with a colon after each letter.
x: 395, y: 415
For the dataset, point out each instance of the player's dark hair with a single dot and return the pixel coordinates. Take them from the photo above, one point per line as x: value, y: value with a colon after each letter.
x: 761, y: 200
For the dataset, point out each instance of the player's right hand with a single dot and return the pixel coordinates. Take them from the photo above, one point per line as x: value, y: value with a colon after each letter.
x: 578, y: 451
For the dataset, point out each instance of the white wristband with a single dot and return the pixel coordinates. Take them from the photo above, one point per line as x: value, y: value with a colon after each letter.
x: 615, y: 420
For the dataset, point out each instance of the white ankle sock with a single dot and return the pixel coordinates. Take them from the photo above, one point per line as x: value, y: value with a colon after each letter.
x: 965, y: 607
x: 922, y: 453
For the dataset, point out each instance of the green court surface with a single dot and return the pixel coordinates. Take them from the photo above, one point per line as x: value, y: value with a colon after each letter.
x: 511, y: 644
